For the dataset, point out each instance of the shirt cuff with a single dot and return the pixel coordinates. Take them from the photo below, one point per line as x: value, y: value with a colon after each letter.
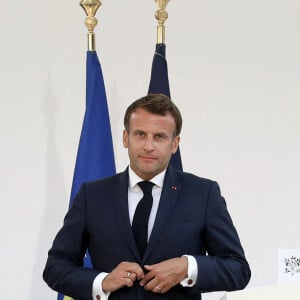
x: 192, y: 272
x: 98, y: 293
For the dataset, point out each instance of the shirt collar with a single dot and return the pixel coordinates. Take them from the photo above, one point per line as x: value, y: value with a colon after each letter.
x: 134, y: 179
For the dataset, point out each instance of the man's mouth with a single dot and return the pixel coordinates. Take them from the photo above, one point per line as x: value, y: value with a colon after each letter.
x: 149, y: 158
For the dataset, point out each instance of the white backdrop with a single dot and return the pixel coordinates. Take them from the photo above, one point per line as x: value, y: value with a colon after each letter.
x: 234, y: 73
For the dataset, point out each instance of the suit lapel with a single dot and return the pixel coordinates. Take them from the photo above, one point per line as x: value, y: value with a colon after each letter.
x: 169, y: 196
x: 120, y: 202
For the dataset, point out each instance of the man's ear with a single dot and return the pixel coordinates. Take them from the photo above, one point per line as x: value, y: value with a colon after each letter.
x: 125, y: 138
x: 175, y: 144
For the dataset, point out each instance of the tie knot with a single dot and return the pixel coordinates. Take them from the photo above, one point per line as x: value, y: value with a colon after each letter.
x: 146, y: 187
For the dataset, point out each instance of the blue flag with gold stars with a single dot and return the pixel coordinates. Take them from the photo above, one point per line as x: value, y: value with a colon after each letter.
x: 95, y: 156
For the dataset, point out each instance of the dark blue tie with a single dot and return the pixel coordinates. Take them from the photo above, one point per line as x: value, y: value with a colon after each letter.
x: 141, y: 216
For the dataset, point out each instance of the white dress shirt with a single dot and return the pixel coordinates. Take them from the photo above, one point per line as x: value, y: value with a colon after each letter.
x: 135, y: 194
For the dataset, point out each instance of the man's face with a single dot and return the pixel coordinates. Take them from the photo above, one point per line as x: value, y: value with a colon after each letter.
x: 150, y: 142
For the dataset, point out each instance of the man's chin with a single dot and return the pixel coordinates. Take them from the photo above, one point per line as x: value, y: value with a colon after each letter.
x: 148, y: 173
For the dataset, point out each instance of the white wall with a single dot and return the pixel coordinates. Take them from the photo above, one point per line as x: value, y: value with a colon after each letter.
x: 234, y: 73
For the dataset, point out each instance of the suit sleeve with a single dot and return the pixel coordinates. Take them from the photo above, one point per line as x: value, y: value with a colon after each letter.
x: 224, y: 268
x: 64, y: 271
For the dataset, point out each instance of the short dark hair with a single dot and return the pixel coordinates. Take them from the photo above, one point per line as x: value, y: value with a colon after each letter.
x: 158, y: 104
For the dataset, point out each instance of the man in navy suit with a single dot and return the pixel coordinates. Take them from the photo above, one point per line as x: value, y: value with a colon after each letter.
x: 191, y: 244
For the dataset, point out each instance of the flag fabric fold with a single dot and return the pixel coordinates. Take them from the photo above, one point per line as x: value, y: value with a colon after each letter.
x: 159, y: 84
x: 95, y: 156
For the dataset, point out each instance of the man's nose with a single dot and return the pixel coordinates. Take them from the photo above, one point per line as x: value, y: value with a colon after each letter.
x: 149, y: 145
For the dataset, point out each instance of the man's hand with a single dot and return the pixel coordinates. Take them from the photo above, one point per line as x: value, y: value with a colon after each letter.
x: 125, y: 274
x: 164, y: 275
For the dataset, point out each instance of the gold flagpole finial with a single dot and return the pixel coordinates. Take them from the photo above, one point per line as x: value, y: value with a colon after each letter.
x: 161, y: 16
x: 90, y: 7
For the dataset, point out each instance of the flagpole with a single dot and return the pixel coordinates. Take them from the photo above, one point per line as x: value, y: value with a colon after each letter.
x: 90, y: 7
x: 161, y: 16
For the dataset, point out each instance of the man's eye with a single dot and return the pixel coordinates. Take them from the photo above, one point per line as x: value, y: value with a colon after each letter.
x: 160, y: 136
x: 139, y: 133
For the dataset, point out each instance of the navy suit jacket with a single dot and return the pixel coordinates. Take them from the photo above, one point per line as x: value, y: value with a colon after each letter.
x: 192, y: 219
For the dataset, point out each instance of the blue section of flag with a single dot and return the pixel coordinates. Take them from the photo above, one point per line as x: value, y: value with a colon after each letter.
x: 95, y: 156
x: 60, y: 297
x: 159, y: 84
